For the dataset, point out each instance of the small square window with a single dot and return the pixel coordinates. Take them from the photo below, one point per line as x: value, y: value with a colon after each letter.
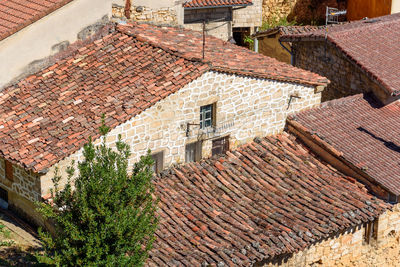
x: 220, y: 145
x: 207, y: 116
x: 158, y: 165
x: 193, y: 151
x: 9, y: 171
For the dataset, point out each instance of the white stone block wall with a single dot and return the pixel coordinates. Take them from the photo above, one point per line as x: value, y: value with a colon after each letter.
x: 250, y: 16
x: 246, y: 108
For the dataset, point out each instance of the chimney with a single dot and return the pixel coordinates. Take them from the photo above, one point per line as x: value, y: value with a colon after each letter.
x: 127, y: 10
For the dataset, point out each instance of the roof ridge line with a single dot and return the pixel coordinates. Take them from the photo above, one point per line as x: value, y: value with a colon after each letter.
x: 124, y: 28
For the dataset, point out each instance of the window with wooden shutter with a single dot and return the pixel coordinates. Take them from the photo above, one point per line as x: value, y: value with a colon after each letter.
x: 193, y: 151
x: 158, y: 165
x: 9, y: 171
x: 220, y: 145
x: 371, y: 231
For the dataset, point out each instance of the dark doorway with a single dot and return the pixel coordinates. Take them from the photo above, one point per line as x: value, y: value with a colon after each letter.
x: 239, y: 34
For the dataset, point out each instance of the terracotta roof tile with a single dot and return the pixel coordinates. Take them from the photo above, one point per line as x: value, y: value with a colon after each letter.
x: 223, y: 56
x: 372, y: 44
x: 215, y: 3
x: 50, y: 114
x: 267, y: 198
x: 366, y: 133
x: 16, y: 14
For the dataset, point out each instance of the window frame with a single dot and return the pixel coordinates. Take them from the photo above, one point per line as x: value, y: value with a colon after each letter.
x: 203, y: 115
x: 197, y: 148
x: 371, y: 231
x: 223, y: 147
x: 158, y: 159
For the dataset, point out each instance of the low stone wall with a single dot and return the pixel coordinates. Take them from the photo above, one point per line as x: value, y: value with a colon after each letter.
x: 245, y: 108
x: 23, y: 191
x: 350, y: 248
x: 160, y: 16
x: 328, y: 61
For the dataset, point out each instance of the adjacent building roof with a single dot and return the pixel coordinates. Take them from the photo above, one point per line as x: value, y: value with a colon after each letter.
x: 222, y: 56
x: 365, y: 132
x: 267, y: 198
x: 215, y: 3
x: 373, y: 44
x: 17, y: 14
x: 285, y: 30
x: 49, y: 115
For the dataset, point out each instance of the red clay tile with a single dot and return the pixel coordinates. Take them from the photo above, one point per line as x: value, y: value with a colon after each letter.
x: 364, y: 131
x: 215, y: 3
x: 242, y: 221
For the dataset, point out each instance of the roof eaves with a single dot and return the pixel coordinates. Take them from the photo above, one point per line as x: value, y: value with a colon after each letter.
x: 34, y: 19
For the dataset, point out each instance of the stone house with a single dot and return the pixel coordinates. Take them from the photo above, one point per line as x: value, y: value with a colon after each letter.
x: 223, y: 19
x: 357, y: 57
x: 156, y: 91
x: 31, y: 30
x: 270, y: 202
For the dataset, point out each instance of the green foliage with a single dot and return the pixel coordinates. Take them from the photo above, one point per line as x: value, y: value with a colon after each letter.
x: 107, y: 217
x: 277, y: 21
x: 250, y: 41
x: 5, y: 237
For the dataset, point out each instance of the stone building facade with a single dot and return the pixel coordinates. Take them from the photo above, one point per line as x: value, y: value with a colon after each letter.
x: 346, y: 77
x: 245, y: 108
x: 352, y: 248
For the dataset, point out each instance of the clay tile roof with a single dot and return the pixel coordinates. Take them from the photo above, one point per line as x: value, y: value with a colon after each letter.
x: 366, y: 133
x: 222, y: 56
x: 49, y: 115
x: 286, y: 30
x: 215, y: 3
x: 17, y: 14
x: 372, y: 44
x: 267, y: 198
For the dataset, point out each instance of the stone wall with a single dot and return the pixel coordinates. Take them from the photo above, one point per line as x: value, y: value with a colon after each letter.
x: 220, y: 20
x: 350, y: 248
x: 250, y: 16
x: 221, y: 29
x: 246, y: 108
x: 302, y: 11
x: 346, y: 78
x: 159, y: 16
x: 23, y: 190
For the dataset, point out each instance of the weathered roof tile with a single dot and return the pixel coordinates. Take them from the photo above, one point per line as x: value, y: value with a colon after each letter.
x: 266, y: 198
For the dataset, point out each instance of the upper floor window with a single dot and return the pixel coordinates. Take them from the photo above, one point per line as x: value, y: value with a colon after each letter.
x: 158, y: 165
x: 207, y: 116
